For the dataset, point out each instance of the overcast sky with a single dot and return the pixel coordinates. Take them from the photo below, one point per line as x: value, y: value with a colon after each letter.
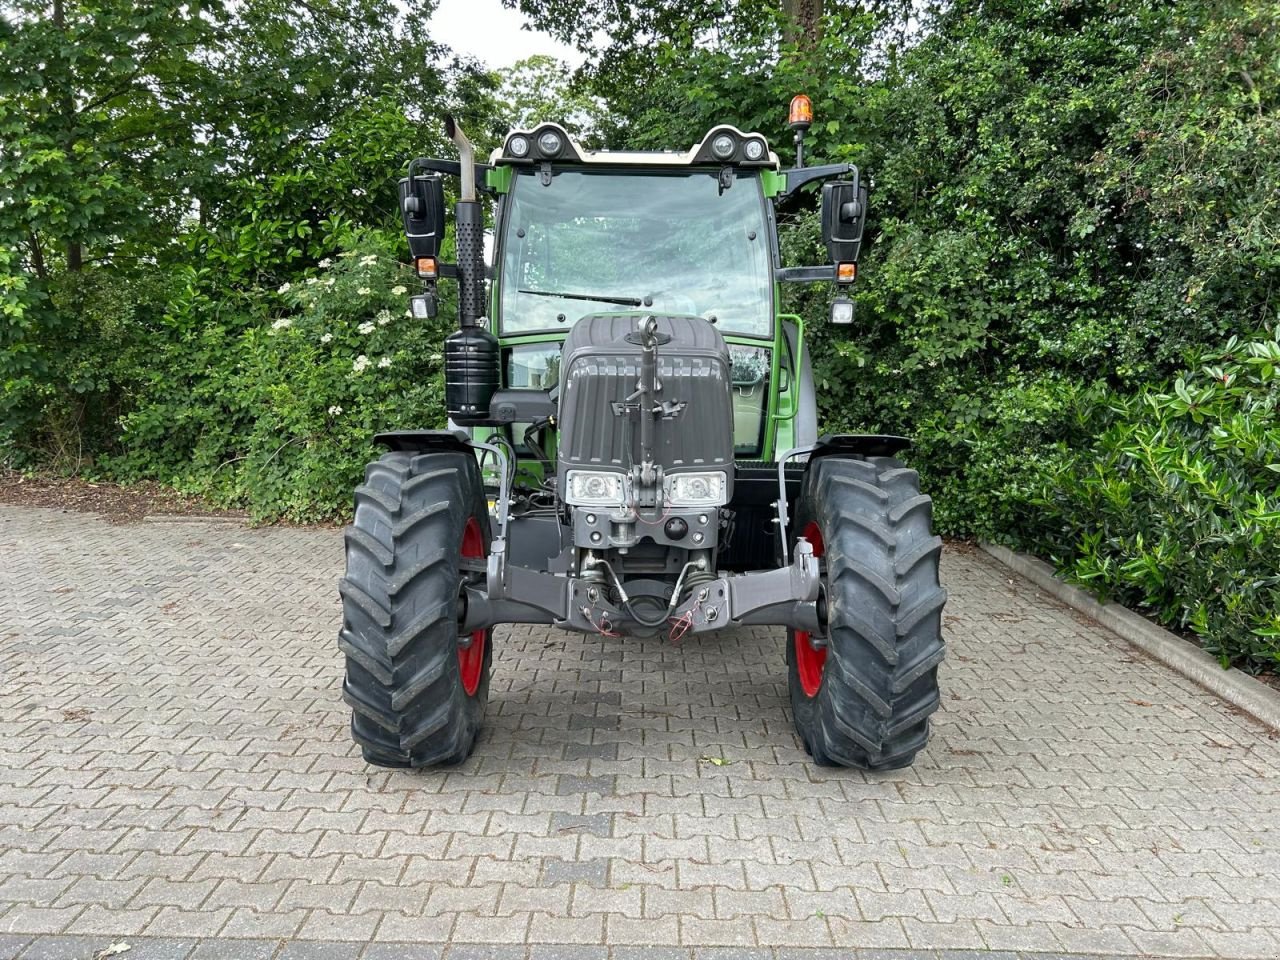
x: 486, y: 30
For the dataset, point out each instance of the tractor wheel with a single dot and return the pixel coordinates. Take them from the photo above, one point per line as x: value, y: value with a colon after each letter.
x: 416, y: 686
x: 862, y: 697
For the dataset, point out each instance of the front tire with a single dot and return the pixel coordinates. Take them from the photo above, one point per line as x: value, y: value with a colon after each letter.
x: 863, y: 696
x: 417, y: 688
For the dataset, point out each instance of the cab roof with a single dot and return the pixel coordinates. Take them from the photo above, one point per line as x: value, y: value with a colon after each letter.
x: 724, y: 145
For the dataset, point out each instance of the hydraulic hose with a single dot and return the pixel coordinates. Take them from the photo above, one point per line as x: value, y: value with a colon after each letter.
x: 626, y: 600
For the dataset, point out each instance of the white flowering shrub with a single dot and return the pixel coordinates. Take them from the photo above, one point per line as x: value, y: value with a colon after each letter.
x: 269, y: 397
x: 342, y: 362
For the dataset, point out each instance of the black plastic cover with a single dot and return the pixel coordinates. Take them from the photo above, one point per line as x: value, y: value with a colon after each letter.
x: 423, y: 440
x: 472, y: 369
x: 859, y: 445
x: 521, y: 406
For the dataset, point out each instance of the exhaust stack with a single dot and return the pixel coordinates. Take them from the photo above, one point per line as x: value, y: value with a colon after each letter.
x: 468, y: 232
x: 471, y: 355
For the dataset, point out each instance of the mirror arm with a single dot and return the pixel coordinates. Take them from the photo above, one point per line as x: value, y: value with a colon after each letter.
x: 452, y: 168
x: 449, y: 271
x: 826, y: 272
x: 797, y: 178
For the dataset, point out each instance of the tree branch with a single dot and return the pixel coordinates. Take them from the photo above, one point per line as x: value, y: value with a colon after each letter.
x: 37, y: 256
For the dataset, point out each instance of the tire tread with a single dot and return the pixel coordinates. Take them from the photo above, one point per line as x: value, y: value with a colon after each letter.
x: 885, y: 602
x: 399, y: 600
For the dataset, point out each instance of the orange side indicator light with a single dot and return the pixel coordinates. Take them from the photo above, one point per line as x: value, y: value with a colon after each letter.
x: 426, y: 267
x: 846, y: 272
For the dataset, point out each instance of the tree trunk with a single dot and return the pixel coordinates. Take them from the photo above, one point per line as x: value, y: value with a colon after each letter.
x: 804, y: 22
x: 37, y: 256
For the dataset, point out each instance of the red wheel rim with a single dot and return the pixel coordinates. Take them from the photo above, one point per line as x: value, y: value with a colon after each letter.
x: 810, y: 660
x: 471, y: 657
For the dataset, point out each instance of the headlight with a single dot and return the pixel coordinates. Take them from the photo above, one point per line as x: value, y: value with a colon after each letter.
x: 550, y: 143
x: 423, y: 306
x: 754, y: 149
x: 842, y: 311
x: 594, y: 488
x: 696, y: 489
x: 518, y: 146
x: 723, y: 146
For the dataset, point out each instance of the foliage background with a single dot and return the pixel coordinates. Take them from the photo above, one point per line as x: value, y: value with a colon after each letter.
x: 1068, y: 297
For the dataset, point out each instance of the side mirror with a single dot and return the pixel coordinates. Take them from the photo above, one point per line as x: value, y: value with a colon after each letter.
x: 844, y: 214
x: 422, y: 210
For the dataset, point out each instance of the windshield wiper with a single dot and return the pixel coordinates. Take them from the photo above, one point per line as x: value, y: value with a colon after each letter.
x: 620, y: 301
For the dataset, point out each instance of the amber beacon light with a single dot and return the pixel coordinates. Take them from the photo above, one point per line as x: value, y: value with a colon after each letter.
x: 800, y: 118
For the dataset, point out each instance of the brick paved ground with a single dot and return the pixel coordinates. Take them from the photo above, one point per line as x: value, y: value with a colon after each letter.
x: 174, y: 763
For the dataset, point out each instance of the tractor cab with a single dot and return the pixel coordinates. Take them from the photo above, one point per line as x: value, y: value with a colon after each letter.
x: 582, y: 233
x: 579, y: 232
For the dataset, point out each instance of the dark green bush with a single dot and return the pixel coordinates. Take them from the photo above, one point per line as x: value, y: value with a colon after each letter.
x: 1176, y: 506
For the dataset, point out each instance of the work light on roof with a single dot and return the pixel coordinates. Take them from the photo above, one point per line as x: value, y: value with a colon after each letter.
x: 723, y: 146
x: 549, y: 144
x: 518, y: 146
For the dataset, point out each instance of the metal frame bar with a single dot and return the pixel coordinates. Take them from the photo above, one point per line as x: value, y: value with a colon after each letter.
x: 781, y: 503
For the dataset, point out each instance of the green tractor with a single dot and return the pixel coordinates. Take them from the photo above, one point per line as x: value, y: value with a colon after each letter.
x: 633, y: 449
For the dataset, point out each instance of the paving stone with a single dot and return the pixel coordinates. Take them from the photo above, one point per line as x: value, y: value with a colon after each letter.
x: 579, y: 721
x: 323, y: 925
x: 591, y: 872
x: 403, y: 951
x: 473, y: 951
x: 64, y: 948
x: 219, y: 949
x: 591, y: 751
x: 160, y: 948
x: 573, y: 786
x: 320, y: 950
x: 247, y: 922
x: 564, y: 930
x: 695, y: 931
x: 600, y: 824
x: 174, y: 760
x: 663, y: 932
x: 572, y: 951
x: 652, y: 953
x: 26, y: 918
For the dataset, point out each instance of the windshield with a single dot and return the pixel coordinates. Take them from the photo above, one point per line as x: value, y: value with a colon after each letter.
x: 595, y: 242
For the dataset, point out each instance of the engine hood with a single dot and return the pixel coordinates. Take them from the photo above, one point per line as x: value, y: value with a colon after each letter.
x: 598, y: 408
